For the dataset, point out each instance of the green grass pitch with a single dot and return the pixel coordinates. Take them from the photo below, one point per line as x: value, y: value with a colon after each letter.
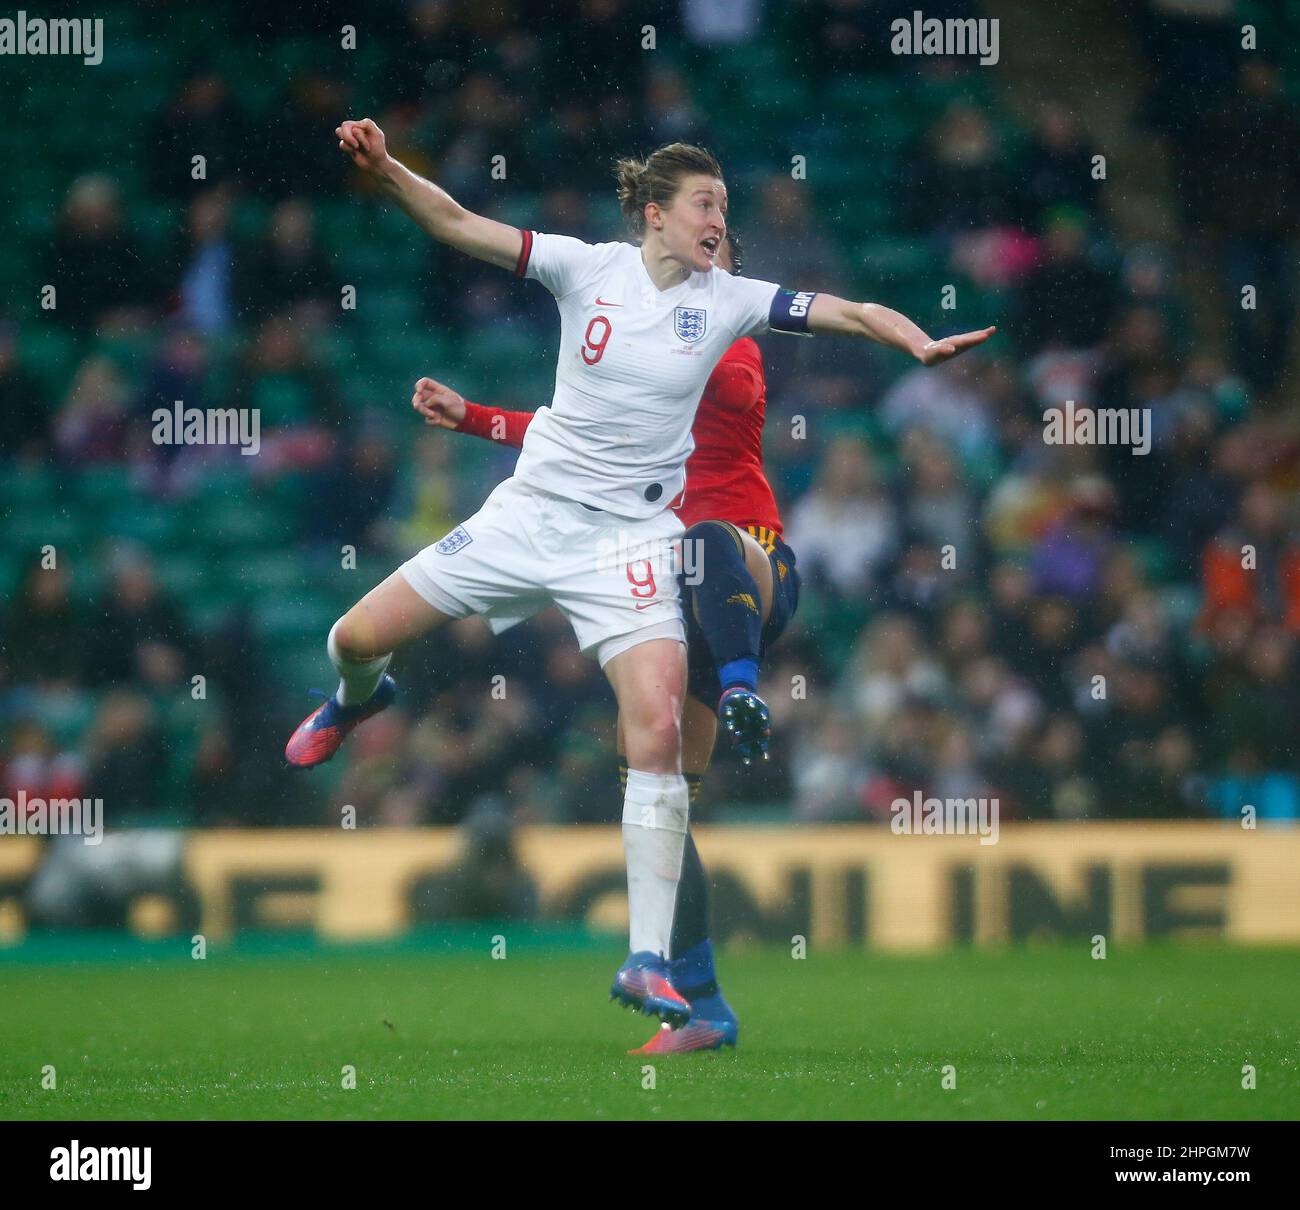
x: 1048, y: 1033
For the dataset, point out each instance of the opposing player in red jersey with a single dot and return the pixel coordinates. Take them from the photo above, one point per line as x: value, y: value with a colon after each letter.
x: 740, y: 579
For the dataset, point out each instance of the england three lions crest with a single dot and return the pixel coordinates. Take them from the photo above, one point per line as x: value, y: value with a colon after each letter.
x: 689, y: 323
x: 453, y: 541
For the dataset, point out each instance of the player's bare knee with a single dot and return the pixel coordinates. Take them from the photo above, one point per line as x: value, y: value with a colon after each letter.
x: 666, y: 732
x: 655, y: 744
x: 352, y: 636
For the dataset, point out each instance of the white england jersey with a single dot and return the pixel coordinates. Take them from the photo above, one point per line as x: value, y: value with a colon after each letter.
x: 634, y: 361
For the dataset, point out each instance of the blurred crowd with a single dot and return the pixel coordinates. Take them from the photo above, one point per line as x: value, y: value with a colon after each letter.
x: 1080, y: 630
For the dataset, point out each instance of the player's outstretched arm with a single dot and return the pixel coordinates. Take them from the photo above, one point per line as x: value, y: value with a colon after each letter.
x: 447, y: 409
x: 886, y: 327
x: 445, y: 219
x: 438, y: 403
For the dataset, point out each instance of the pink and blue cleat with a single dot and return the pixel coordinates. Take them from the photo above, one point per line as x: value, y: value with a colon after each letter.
x: 642, y: 983
x: 322, y: 732
x: 713, y: 1025
x: 696, y: 1034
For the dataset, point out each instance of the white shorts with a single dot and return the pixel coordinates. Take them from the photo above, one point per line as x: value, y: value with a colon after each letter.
x: 614, y: 578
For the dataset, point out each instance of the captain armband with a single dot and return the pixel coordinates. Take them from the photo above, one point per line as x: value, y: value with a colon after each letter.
x: 789, y: 311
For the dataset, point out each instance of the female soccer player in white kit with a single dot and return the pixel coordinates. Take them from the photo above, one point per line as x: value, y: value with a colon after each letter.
x: 641, y: 328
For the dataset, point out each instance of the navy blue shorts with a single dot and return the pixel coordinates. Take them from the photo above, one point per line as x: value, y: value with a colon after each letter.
x: 701, y: 676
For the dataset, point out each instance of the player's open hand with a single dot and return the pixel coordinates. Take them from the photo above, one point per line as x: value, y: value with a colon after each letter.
x: 438, y: 404
x: 364, y: 142
x: 950, y: 346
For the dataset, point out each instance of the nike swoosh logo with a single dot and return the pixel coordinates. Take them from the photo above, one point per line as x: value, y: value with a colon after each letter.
x: 600, y: 302
x: 647, y: 605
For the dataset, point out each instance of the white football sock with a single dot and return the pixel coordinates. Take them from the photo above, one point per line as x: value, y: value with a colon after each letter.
x: 358, y: 678
x: 656, y: 809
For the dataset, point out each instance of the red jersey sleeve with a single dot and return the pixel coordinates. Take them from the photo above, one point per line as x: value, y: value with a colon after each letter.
x: 495, y: 424
x: 737, y: 382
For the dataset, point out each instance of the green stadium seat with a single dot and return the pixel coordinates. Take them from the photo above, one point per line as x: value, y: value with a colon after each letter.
x: 212, y: 605
x: 265, y: 572
x: 517, y: 209
x: 183, y: 575
x: 28, y: 486
x: 277, y: 619
x: 101, y: 488
x: 1156, y: 558
x: 150, y: 523
x: 248, y: 221
x: 300, y: 665
x: 890, y: 256
x: 226, y: 515
x: 864, y: 98
x: 157, y: 225
x: 12, y: 566
x: 386, y: 308
x: 28, y: 531
x: 51, y: 355
x: 607, y: 215
x: 67, y: 714
x: 1184, y: 605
